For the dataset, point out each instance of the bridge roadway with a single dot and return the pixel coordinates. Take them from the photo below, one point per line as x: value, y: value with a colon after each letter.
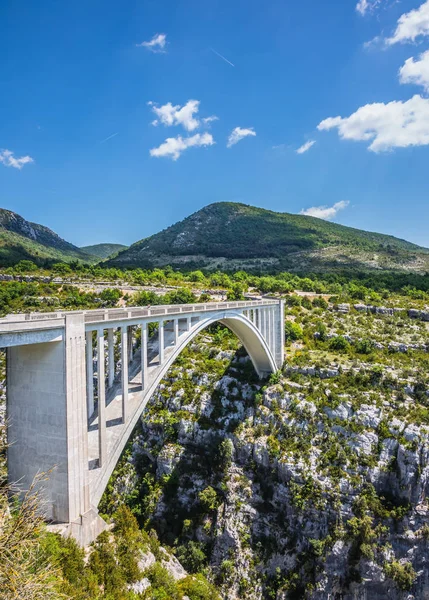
x: 72, y: 404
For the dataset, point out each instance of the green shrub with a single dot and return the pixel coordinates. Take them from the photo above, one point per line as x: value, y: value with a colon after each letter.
x: 209, y: 499
x: 198, y: 588
x: 402, y: 574
x: 293, y: 331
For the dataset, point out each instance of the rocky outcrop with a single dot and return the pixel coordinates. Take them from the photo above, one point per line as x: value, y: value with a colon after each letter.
x: 288, y: 489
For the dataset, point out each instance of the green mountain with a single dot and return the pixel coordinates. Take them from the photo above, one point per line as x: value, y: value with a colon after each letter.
x: 20, y: 240
x: 103, y: 250
x: 231, y: 236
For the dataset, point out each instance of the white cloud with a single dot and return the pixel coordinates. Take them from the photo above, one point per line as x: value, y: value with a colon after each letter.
x: 156, y: 44
x: 173, y: 147
x: 325, y: 212
x: 411, y: 25
x: 8, y: 160
x: 306, y: 147
x: 365, y: 6
x: 238, y: 134
x: 177, y: 115
x: 416, y: 71
x: 393, y: 125
x: 208, y: 120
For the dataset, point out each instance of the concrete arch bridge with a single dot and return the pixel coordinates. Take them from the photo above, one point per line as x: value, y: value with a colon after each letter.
x: 76, y: 387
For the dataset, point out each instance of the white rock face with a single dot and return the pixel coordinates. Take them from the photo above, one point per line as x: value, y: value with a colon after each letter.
x: 168, y: 459
x: 343, y: 412
x: 363, y: 443
x: 296, y: 470
x: 369, y: 416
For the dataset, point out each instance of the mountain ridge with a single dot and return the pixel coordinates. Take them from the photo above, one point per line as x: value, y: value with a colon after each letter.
x: 103, y: 250
x: 230, y: 236
x: 23, y: 240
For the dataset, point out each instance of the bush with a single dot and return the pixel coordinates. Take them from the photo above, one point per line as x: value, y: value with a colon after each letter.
x: 163, y: 586
x: 293, y: 331
x: 198, y: 588
x: 339, y: 343
x: 192, y: 556
x: 364, y: 346
x: 402, y: 574
x: 209, y: 499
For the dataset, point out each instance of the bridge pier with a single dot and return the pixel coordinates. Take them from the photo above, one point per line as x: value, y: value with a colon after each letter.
x: 47, y: 429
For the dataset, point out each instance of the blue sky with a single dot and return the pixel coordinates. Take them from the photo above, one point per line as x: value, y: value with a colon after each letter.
x: 74, y: 74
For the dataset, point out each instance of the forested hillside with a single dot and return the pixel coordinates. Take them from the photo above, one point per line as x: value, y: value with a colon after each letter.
x: 232, y: 236
x: 103, y: 250
x: 22, y: 240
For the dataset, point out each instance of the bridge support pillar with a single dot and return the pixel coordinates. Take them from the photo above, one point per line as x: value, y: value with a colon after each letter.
x: 89, y: 374
x: 144, y: 364
x: 47, y: 431
x: 130, y: 344
x: 124, y: 370
x: 161, y: 342
x: 101, y: 381
x: 176, y: 331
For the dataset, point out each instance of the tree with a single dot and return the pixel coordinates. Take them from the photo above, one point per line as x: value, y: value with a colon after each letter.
x: 180, y: 296
x: 293, y: 331
x: 364, y: 346
x: 196, y: 276
x: 339, y: 343
x: 25, y: 570
x: 192, y: 556
x: 110, y: 297
x: 198, y: 588
x: 25, y: 266
x: 236, y: 292
x: 61, y: 268
x: 208, y: 498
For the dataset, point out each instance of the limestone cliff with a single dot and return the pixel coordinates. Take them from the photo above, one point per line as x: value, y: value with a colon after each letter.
x: 302, y: 488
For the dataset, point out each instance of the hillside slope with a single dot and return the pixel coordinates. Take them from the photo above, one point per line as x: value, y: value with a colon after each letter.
x: 228, y: 235
x: 21, y: 239
x: 103, y: 250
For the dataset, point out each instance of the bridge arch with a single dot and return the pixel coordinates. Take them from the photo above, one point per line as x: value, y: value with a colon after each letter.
x: 252, y: 340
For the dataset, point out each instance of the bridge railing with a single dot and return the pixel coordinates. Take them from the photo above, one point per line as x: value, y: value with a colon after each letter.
x: 56, y: 319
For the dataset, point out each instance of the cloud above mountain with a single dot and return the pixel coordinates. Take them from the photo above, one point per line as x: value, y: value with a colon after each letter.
x: 325, y: 212
x: 396, y: 124
x: 174, y: 147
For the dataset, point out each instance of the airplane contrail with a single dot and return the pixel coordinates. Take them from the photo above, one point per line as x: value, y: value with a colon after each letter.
x: 222, y: 57
x: 110, y: 137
